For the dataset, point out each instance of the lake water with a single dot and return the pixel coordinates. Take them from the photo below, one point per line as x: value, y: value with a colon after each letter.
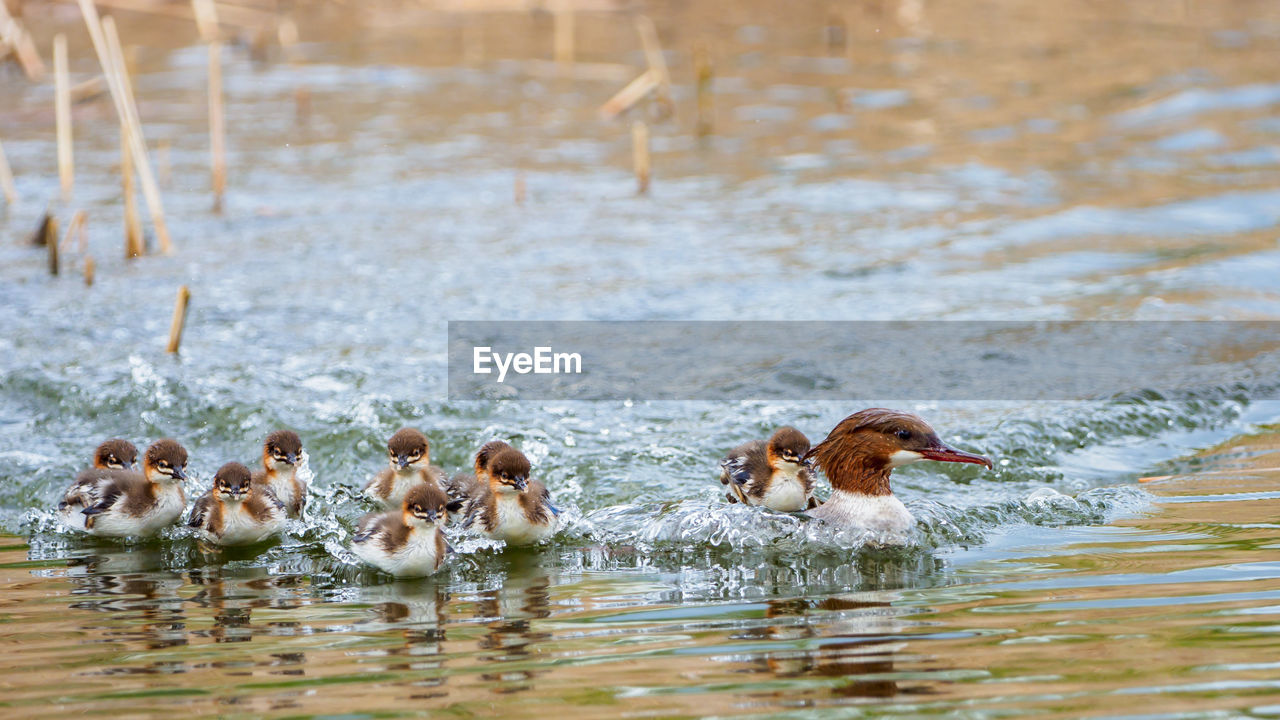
x: 880, y: 161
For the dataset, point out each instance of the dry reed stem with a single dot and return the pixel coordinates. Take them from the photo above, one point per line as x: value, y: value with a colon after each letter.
x: 634, y: 92
x: 62, y: 112
x: 51, y: 243
x: 106, y: 42
x: 19, y: 40
x: 6, y: 179
x: 179, y: 319
x: 562, y: 22
x: 653, y: 56
x: 206, y: 17
x: 77, y: 227
x: 133, y: 245
x: 640, y: 155
x: 90, y: 268
x: 703, y: 72
x: 90, y: 89
x: 217, y: 130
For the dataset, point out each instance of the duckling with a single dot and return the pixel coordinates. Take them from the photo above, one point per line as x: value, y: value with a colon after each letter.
x: 773, y: 473
x: 235, y: 511
x: 281, y: 453
x: 116, y: 454
x: 506, y: 505
x: 110, y: 502
x: 409, y: 453
x: 408, y: 542
x: 858, y: 456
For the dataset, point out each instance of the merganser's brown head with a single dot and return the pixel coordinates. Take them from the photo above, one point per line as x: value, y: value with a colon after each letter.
x: 165, y: 461
x: 232, y: 482
x: 426, y: 504
x: 508, y: 471
x: 408, y: 449
x: 787, y: 445
x: 116, y: 454
x: 862, y: 449
x: 281, y: 451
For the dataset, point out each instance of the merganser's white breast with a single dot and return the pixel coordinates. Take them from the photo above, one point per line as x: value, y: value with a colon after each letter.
x: 877, y: 513
x: 402, y: 481
x: 240, y: 527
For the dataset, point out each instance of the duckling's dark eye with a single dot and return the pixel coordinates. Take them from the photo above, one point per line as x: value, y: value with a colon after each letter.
x: 417, y: 508
x: 163, y: 464
x: 904, y: 434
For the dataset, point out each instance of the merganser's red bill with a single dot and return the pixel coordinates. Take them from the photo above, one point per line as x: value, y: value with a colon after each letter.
x: 947, y: 454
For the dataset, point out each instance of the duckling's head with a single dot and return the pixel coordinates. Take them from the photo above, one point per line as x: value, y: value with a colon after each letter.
x: 232, y: 482
x: 281, y: 451
x: 116, y: 454
x: 426, y: 505
x: 165, y: 462
x: 408, y: 449
x: 508, y: 471
x: 787, y: 445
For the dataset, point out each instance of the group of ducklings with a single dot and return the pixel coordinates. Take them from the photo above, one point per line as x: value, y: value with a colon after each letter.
x: 405, y: 538
x: 497, y: 498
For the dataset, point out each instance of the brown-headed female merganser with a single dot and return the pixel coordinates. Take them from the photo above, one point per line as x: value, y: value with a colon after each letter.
x: 501, y: 501
x: 234, y: 511
x: 409, y: 454
x: 116, y: 454
x: 109, y: 502
x: 281, y: 453
x: 857, y: 457
x: 771, y: 473
x: 408, y: 542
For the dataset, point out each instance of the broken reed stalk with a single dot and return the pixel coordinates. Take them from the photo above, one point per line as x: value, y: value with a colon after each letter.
x: 51, y: 242
x: 77, y: 228
x: 112, y: 61
x: 6, y: 179
x: 217, y: 131
x: 62, y: 112
x: 90, y: 268
x: 562, y: 19
x: 133, y: 246
x: 634, y: 92
x: 702, y: 69
x: 653, y: 56
x: 179, y: 319
x: 640, y: 155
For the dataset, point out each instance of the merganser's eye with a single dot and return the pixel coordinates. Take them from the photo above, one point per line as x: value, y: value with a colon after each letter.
x: 904, y: 434
x: 163, y: 464
x: 417, y: 508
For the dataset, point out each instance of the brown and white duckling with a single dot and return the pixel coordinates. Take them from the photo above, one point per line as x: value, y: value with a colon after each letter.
x: 502, y: 502
x: 859, y: 454
x: 110, y: 502
x: 281, y: 453
x: 773, y: 473
x: 408, y: 542
x: 116, y: 454
x: 409, y: 454
x: 234, y: 511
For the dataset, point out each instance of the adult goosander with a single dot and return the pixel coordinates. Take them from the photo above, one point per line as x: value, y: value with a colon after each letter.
x: 771, y: 473
x: 858, y: 456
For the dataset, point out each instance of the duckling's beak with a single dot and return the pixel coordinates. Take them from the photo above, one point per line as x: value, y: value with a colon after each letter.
x: 402, y: 461
x: 291, y: 458
x: 943, y: 453
x: 178, y: 474
x: 521, y: 484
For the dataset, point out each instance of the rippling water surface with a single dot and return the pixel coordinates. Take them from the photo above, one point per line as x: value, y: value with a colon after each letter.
x: 881, y: 160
